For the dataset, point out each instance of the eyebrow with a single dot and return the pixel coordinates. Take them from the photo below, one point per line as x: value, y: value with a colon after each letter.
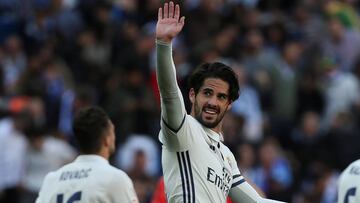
x: 207, y: 89
x: 219, y: 94
x: 223, y: 94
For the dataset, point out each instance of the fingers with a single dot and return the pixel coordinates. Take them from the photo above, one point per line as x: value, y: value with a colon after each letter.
x: 166, y: 10
x: 160, y: 14
x: 182, y: 21
x: 177, y: 12
x: 171, y: 9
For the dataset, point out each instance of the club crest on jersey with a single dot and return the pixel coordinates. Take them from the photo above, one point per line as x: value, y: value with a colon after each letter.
x: 229, y: 161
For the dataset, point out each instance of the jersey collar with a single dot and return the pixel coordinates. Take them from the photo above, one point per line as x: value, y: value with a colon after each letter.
x: 91, y: 158
x: 217, y: 137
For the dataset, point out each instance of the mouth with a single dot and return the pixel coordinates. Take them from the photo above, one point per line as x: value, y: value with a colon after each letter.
x: 210, y: 111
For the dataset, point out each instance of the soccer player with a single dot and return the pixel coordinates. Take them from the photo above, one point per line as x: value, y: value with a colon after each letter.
x: 90, y: 178
x: 197, y: 166
x: 349, y: 184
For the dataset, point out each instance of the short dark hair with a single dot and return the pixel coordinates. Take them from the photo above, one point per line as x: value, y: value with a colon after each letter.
x: 215, y: 70
x: 89, y: 126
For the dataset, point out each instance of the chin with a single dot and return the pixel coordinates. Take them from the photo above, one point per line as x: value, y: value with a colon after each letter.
x: 209, y: 124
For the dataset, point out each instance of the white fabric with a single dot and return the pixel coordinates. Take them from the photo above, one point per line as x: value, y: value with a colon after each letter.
x: 197, y: 166
x: 349, y: 184
x: 54, y: 154
x: 90, y: 178
x: 342, y: 91
x: 208, y: 166
x: 12, y: 154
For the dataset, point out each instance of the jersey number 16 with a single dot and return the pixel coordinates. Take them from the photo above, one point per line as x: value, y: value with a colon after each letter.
x: 75, y: 197
x: 350, y: 192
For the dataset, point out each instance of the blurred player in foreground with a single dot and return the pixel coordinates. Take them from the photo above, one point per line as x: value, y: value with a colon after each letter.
x: 349, y: 184
x: 197, y: 166
x: 90, y: 178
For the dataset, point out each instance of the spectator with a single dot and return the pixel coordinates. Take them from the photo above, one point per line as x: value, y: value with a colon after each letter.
x: 274, y: 174
x: 248, y: 106
x: 13, y: 149
x: 306, y: 142
x: 132, y: 105
x: 137, y: 142
x: 342, y: 44
x: 341, y: 90
x: 67, y: 54
x: 246, y: 159
x: 13, y: 63
x: 45, y: 153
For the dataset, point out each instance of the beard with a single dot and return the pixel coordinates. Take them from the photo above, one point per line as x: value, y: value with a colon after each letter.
x: 199, y: 115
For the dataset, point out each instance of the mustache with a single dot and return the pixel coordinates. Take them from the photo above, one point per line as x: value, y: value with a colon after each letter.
x: 211, y: 107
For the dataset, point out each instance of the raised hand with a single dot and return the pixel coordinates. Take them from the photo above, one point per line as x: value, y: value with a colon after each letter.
x: 169, y: 24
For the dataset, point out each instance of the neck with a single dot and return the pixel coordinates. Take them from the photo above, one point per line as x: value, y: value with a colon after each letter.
x: 104, y: 153
x: 218, y: 128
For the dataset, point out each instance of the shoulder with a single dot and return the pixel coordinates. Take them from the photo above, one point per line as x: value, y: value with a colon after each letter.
x: 119, y: 181
x: 116, y: 174
x: 51, y: 177
x: 188, y: 123
x: 189, y: 134
x: 226, y: 150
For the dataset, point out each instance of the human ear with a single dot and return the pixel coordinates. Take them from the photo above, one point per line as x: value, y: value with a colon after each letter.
x: 229, y: 106
x: 192, y: 95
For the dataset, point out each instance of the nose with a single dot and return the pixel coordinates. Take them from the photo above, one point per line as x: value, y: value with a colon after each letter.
x: 213, y: 101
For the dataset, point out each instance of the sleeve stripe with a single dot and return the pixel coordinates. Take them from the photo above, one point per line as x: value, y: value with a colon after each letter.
x: 235, y: 176
x: 172, y: 129
x: 238, y: 183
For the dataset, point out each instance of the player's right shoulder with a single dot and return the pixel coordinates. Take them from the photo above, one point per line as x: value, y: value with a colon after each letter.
x: 189, y: 123
x: 113, y: 171
x: 118, y: 176
x: 184, y: 138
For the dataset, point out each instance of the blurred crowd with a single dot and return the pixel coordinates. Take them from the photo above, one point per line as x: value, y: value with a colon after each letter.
x: 294, y: 128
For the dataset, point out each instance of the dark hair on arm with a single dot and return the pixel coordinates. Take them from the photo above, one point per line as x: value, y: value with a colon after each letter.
x: 215, y: 70
x: 89, y: 126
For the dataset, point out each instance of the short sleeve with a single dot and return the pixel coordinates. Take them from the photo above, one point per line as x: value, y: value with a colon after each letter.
x: 180, y: 139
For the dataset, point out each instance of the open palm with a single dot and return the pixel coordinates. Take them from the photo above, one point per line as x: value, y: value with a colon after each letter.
x: 169, y: 22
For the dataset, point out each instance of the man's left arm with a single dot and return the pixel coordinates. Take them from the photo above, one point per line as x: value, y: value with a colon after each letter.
x: 245, y: 193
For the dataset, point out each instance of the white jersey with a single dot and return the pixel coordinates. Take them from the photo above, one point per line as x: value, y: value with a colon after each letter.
x: 90, y: 179
x: 197, y: 166
x: 349, y: 184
